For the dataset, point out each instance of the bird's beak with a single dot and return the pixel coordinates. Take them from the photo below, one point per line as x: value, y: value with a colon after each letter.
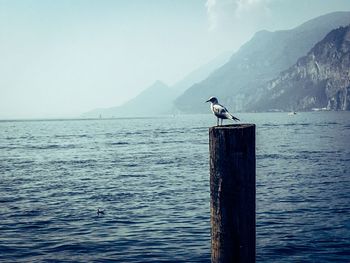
x: 207, y: 101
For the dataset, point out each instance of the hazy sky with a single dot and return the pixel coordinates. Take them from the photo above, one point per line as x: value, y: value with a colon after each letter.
x: 60, y: 58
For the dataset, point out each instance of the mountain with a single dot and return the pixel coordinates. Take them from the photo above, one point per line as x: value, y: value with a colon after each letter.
x: 147, y: 103
x: 159, y: 98
x: 202, y: 72
x: 256, y: 62
x: 321, y: 79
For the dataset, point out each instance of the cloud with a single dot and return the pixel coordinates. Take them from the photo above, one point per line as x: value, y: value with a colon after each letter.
x: 231, y: 13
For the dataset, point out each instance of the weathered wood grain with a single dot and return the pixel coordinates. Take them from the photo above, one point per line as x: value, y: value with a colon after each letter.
x: 232, y: 188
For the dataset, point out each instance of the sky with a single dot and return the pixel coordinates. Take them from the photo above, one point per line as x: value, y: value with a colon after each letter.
x: 63, y: 58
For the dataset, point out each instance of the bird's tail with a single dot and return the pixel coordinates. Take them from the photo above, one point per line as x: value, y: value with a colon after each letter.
x: 231, y: 117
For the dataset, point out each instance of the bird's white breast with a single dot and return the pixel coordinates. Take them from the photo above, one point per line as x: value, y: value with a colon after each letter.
x: 218, y: 110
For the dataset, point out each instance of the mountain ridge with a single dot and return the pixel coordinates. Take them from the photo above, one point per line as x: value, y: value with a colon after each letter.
x: 131, y: 108
x: 258, y: 61
x: 321, y: 79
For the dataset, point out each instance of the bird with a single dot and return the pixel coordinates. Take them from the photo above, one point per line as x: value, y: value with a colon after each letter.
x: 220, y: 111
x: 100, y: 212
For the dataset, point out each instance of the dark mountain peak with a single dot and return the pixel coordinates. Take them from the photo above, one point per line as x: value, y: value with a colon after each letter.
x: 318, y: 80
x: 335, y: 42
x: 333, y: 48
x: 336, y: 37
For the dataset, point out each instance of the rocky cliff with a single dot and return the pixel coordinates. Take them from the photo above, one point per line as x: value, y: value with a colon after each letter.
x: 321, y: 79
x: 258, y: 61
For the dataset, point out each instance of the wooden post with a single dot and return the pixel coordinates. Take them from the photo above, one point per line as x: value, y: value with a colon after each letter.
x: 232, y: 191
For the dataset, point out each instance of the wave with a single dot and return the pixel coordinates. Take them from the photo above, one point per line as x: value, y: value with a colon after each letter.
x: 117, y: 143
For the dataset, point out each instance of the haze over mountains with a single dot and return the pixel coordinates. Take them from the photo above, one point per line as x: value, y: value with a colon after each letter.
x: 264, y: 74
x: 159, y: 98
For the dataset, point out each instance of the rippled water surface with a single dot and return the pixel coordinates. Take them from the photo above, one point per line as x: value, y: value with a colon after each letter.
x: 151, y: 178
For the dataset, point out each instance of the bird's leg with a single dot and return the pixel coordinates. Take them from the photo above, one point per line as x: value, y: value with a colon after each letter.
x: 217, y: 121
x: 221, y: 121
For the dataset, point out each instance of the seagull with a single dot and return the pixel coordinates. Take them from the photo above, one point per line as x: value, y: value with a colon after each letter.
x: 100, y: 212
x: 220, y: 111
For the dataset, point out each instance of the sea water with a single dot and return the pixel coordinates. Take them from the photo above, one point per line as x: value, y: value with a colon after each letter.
x: 151, y: 178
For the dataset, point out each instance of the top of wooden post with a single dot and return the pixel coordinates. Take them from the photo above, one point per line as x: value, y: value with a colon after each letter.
x: 233, y: 126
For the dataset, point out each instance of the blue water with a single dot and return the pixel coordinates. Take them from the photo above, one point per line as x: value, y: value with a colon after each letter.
x: 151, y: 178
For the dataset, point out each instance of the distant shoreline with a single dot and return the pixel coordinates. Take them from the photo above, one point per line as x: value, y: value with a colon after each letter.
x: 147, y: 117
x: 79, y: 119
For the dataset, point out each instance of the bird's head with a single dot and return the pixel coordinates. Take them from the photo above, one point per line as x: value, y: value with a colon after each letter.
x: 212, y: 100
